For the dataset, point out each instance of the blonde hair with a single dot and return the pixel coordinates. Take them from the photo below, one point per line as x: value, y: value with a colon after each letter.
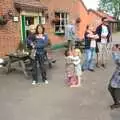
x: 32, y: 27
x: 78, y: 51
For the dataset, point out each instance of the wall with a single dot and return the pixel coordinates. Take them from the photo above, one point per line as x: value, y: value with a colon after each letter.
x: 74, y: 7
x: 94, y: 19
x: 9, y: 33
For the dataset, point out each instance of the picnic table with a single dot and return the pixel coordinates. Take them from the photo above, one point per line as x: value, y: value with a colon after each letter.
x: 19, y: 58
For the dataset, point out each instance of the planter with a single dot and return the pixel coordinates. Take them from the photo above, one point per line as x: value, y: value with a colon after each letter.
x: 60, y: 33
x: 3, y: 20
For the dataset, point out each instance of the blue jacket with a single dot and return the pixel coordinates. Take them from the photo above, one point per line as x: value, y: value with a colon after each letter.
x: 88, y: 40
x: 99, y: 31
x: 40, y: 44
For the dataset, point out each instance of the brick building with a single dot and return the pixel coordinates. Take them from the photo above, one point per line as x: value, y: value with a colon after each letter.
x: 15, y: 18
x: 10, y: 32
x: 64, y: 11
x: 17, y: 15
x: 96, y: 16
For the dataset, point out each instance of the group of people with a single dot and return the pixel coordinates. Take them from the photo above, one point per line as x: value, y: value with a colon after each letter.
x: 96, y: 47
x: 97, y: 44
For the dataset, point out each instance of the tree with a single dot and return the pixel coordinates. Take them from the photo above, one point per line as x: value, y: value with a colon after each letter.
x: 111, y: 6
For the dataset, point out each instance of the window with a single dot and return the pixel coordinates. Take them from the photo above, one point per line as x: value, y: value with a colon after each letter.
x: 29, y: 20
x: 42, y: 20
x: 61, y: 21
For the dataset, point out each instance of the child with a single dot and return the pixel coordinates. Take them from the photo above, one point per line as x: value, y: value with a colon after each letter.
x: 76, y: 61
x: 114, y: 84
x: 71, y: 78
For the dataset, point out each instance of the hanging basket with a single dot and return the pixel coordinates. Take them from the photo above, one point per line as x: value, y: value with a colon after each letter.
x: 3, y: 20
x: 78, y: 20
x: 54, y: 21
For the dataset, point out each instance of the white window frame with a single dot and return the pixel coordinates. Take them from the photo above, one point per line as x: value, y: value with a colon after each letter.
x: 65, y: 19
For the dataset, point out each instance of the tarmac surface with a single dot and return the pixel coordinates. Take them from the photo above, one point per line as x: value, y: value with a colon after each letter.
x: 20, y: 100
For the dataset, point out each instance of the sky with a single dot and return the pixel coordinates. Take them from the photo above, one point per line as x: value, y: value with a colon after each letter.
x: 91, y: 4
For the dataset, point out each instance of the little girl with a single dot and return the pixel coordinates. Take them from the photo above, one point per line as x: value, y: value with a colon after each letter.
x: 77, y: 63
x: 72, y: 68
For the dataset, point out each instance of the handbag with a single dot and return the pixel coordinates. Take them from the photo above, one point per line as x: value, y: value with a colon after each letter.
x: 32, y: 54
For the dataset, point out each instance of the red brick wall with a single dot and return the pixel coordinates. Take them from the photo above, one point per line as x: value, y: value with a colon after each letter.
x: 94, y: 19
x: 9, y: 33
x: 75, y: 8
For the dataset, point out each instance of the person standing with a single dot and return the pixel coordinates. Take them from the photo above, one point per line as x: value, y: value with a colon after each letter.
x: 70, y: 74
x: 90, y: 48
x: 104, y: 33
x: 77, y: 63
x: 41, y: 40
x: 30, y: 42
x: 114, y: 84
x: 70, y: 34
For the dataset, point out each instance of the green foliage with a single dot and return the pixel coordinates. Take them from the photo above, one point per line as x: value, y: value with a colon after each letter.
x: 111, y: 6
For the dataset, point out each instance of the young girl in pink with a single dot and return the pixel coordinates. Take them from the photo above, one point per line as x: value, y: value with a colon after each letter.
x: 70, y: 69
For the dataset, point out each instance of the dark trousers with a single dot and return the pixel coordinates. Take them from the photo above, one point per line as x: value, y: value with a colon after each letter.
x: 70, y: 44
x: 115, y: 93
x: 39, y: 59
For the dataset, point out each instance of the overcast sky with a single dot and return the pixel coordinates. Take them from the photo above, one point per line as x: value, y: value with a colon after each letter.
x: 91, y: 3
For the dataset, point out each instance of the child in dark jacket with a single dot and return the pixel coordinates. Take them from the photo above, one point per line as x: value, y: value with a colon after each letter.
x: 31, y: 37
x: 114, y: 84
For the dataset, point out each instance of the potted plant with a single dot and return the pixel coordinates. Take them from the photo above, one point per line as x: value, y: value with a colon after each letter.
x: 3, y: 20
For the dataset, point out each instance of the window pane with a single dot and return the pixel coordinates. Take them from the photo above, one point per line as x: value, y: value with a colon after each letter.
x: 60, y: 24
x: 29, y: 20
x: 62, y: 15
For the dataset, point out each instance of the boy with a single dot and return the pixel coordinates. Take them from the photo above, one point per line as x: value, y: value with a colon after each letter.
x: 114, y: 85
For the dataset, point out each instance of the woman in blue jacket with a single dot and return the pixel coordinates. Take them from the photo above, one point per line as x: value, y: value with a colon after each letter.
x: 40, y: 42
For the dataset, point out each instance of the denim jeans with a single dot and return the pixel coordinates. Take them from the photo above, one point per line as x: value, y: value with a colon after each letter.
x: 103, y: 53
x: 89, y: 59
x: 38, y: 59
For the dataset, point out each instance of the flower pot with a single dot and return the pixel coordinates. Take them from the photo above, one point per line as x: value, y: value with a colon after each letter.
x: 3, y: 21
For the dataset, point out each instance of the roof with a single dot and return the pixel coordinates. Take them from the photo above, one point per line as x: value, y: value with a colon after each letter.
x: 30, y: 5
x: 103, y: 14
x: 84, y: 5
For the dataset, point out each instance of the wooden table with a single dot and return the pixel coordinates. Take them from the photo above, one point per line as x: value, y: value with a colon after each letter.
x: 19, y: 58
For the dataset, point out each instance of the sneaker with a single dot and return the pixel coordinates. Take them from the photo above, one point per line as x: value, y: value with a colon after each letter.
x: 53, y: 61
x: 34, y: 82
x: 46, y: 82
x: 97, y: 65
x: 38, y: 83
x: 91, y: 70
x: 114, y: 106
x: 103, y: 65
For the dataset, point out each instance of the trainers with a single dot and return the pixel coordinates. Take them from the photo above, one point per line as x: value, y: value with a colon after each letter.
x: 34, y: 82
x: 103, y: 65
x: 114, y: 106
x: 46, y: 82
x: 92, y: 70
x: 38, y: 83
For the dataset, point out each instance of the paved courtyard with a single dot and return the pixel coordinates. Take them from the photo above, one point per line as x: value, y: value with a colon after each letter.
x: 19, y: 100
